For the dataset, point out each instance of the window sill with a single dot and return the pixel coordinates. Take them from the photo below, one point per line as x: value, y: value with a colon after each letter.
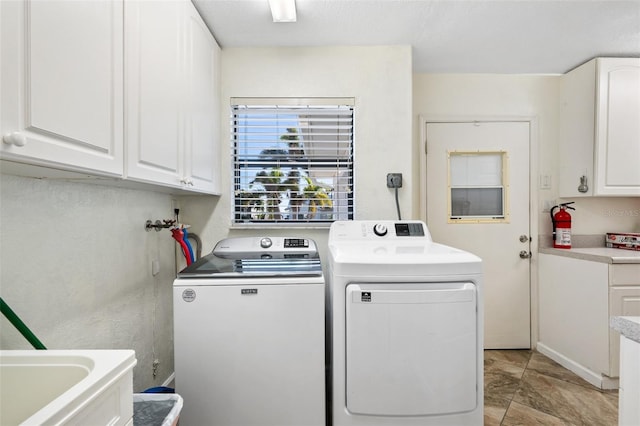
x: 281, y: 225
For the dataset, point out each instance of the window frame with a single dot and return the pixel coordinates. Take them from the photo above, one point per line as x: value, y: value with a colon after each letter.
x: 340, y: 167
x: 471, y: 219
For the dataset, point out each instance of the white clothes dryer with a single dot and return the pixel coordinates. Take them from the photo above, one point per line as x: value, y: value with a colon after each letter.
x: 405, y: 327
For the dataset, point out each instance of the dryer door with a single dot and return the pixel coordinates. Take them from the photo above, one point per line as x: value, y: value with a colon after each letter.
x: 411, y: 348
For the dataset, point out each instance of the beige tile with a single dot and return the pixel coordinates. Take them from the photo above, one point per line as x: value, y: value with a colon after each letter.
x: 548, y: 367
x: 519, y: 414
x: 493, y: 415
x: 518, y: 357
x: 570, y: 402
x: 502, y: 373
x: 500, y: 386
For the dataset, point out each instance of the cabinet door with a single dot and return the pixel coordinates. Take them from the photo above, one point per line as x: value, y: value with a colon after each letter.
x: 62, y: 67
x: 154, y: 33
x: 623, y: 301
x: 618, y: 127
x: 574, y: 311
x: 629, y: 409
x: 576, y: 130
x: 202, y: 125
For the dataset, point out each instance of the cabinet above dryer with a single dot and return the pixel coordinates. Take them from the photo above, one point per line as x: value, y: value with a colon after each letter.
x: 599, y: 144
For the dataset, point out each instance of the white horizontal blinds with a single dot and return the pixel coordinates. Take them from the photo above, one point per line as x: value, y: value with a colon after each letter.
x: 476, y: 185
x: 292, y: 161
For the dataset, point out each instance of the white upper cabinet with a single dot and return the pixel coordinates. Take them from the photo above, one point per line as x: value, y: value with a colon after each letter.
x: 112, y: 88
x: 62, y: 84
x: 172, y: 94
x: 154, y: 80
x: 202, y: 126
x: 617, y: 163
x: 600, y: 129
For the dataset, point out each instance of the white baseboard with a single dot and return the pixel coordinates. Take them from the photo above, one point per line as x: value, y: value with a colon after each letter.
x: 597, y: 380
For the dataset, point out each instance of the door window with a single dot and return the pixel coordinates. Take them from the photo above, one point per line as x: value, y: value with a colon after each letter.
x: 478, y: 187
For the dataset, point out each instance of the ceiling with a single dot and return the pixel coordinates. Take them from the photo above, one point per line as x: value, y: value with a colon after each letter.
x: 447, y: 36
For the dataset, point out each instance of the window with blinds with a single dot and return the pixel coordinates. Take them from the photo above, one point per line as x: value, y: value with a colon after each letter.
x: 292, y: 160
x: 478, y: 187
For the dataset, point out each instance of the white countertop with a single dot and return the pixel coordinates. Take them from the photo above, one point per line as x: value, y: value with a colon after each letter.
x: 597, y: 254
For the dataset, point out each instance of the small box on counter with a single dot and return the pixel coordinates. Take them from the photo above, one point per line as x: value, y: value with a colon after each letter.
x: 623, y: 240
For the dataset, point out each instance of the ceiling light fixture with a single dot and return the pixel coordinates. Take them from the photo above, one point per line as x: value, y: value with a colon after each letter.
x: 283, y: 10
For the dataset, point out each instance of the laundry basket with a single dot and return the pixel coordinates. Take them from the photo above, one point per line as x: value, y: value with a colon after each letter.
x: 156, y: 409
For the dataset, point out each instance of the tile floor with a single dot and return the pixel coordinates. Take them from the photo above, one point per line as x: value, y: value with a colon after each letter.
x: 524, y: 387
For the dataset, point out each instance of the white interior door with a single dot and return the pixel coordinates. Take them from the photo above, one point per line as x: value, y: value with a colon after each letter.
x: 477, y: 194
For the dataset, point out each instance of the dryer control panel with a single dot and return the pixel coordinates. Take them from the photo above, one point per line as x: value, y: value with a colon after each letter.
x: 379, y: 229
x: 409, y: 230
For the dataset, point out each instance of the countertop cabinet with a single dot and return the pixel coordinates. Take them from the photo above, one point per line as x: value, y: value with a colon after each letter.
x: 600, y: 129
x: 62, y: 84
x: 576, y: 299
x: 629, y: 396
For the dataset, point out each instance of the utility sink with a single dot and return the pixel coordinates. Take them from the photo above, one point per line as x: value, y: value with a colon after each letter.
x: 66, y: 387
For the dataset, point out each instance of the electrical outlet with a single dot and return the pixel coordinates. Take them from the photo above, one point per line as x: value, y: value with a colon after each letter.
x: 394, y: 180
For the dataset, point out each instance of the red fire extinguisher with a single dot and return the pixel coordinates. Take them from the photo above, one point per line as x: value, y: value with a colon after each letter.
x: 561, y: 226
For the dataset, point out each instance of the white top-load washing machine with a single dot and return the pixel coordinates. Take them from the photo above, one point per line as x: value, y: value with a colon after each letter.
x: 405, y: 327
x: 249, y: 334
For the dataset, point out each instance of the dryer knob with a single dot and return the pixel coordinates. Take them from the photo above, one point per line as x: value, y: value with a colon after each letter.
x: 265, y: 242
x: 380, y: 230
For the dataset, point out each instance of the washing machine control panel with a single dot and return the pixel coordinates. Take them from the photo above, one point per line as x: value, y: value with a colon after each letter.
x: 246, y: 247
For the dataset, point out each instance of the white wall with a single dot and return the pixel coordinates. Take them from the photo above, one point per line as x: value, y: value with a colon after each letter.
x: 378, y: 78
x: 75, y: 265
x: 491, y: 95
x: 488, y: 95
x: 601, y: 215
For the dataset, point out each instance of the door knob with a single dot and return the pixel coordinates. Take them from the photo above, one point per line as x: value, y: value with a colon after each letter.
x: 524, y: 238
x: 525, y: 254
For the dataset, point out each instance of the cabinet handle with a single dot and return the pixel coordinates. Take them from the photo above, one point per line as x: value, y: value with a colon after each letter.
x: 15, y: 138
x: 186, y: 181
x: 583, y: 184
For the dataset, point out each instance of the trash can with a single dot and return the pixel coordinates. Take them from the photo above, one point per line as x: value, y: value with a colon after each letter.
x: 159, y: 389
x: 156, y: 409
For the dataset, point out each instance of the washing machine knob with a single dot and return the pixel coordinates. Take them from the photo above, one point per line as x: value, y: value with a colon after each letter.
x: 380, y: 230
x: 266, y: 242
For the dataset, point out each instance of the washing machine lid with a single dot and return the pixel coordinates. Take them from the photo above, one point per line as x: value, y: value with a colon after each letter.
x: 246, y: 257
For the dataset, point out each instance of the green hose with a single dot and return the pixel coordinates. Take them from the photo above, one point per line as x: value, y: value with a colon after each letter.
x: 20, y: 326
